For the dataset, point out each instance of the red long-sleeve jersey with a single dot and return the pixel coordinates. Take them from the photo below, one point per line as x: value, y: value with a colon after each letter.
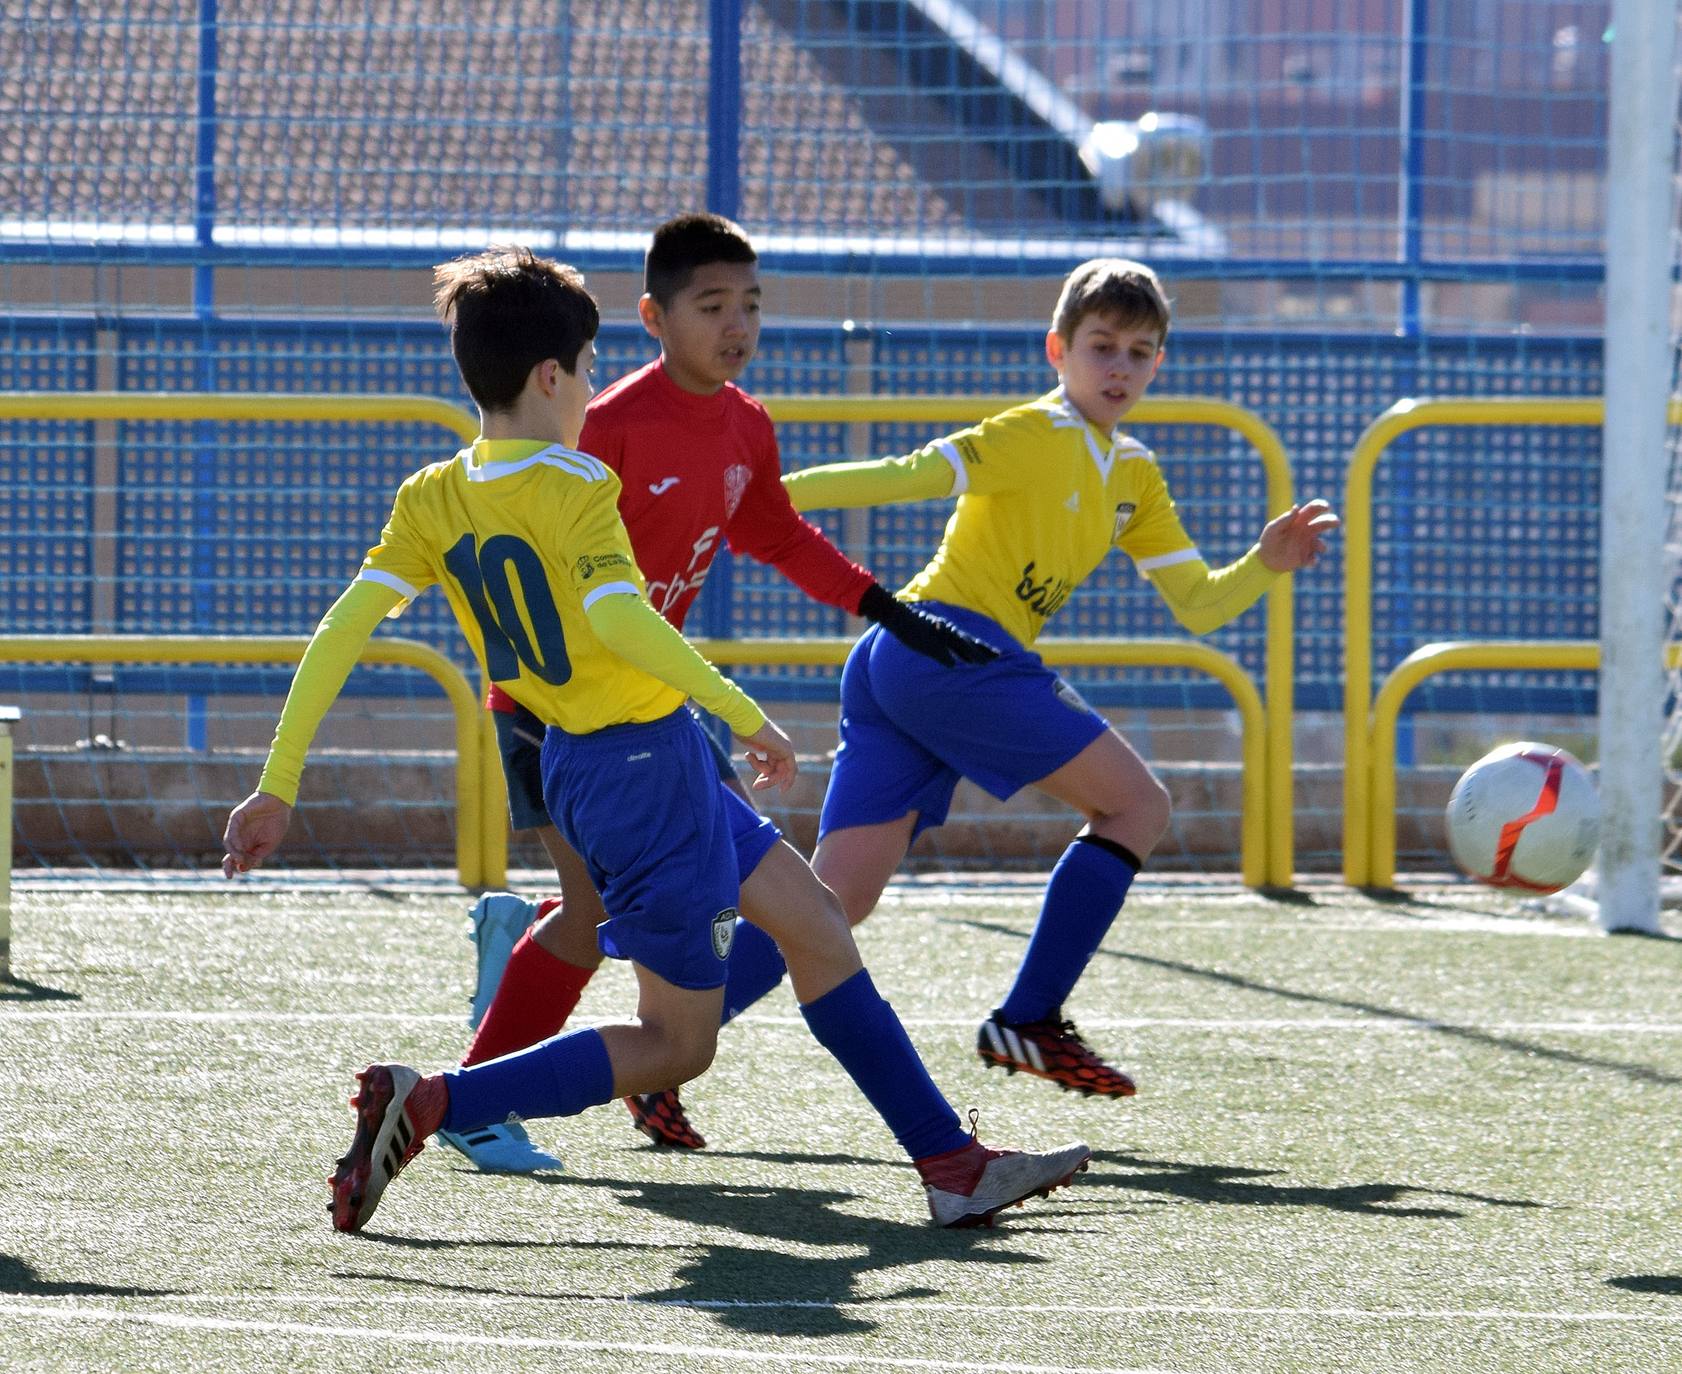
x: 697, y: 469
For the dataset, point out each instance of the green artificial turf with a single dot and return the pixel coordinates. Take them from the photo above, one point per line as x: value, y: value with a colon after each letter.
x: 1438, y: 1133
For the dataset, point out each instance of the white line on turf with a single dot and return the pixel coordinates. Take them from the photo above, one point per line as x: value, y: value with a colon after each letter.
x: 1389, y: 1025
x: 890, y: 1307
x: 431, y: 1338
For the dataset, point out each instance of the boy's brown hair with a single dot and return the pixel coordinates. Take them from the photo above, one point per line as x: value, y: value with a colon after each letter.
x: 1127, y: 290
x: 686, y: 242
x: 509, y: 310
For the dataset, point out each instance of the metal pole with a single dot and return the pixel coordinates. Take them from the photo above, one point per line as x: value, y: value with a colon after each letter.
x: 1633, y: 465
x: 724, y: 108
x: 1409, y: 207
x: 206, y: 477
x: 8, y: 714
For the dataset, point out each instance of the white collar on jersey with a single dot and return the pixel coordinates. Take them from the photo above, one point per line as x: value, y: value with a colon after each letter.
x: 555, y: 456
x: 1064, y: 415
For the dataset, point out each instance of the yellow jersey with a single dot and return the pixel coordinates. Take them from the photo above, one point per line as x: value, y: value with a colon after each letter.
x: 1043, y: 495
x: 524, y: 538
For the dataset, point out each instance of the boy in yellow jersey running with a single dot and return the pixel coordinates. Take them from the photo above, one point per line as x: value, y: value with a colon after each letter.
x: 1044, y: 490
x: 523, y: 533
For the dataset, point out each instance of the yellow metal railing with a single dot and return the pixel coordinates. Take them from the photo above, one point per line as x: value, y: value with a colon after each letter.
x: 1279, y: 653
x: 464, y: 702
x: 1153, y: 653
x: 1400, y: 419
x: 235, y: 405
x: 473, y: 827
x: 1556, y: 655
x: 482, y: 838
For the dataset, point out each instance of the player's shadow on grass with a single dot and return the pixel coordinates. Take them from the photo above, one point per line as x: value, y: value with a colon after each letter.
x: 1639, y: 1073
x: 19, y: 1279
x: 1236, y: 1186
x: 751, y: 1283
x: 15, y: 989
x: 1667, y: 1285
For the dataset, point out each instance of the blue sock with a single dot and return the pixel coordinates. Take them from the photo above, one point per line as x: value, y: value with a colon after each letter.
x: 1082, y: 900
x: 755, y: 968
x: 558, y: 1077
x: 854, y: 1024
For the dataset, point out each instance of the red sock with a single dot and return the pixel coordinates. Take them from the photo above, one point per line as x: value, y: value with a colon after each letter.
x: 428, y: 1101
x: 536, y: 995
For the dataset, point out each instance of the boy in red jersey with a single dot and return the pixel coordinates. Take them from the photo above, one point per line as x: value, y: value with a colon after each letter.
x: 698, y: 464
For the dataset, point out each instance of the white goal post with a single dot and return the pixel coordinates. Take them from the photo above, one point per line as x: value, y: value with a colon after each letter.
x: 1639, y: 367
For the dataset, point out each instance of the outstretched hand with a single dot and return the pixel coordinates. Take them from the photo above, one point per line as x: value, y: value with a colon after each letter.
x: 254, y: 831
x: 1296, y: 538
x: 771, y: 753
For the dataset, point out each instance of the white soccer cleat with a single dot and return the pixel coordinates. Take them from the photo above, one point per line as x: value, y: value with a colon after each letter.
x: 967, y: 1187
x: 504, y: 1148
x: 499, y: 920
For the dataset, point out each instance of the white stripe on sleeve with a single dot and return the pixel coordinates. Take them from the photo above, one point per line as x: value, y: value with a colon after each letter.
x: 960, y: 474
x: 610, y: 589
x: 385, y: 579
x: 1167, y: 560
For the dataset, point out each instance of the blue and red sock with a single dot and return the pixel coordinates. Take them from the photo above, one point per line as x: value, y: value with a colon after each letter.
x: 860, y: 1029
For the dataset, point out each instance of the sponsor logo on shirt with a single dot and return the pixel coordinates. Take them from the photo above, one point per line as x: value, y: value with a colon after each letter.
x: 665, y: 595
x: 1045, y: 597
x: 1072, y: 505
x: 591, y: 564
x: 664, y: 485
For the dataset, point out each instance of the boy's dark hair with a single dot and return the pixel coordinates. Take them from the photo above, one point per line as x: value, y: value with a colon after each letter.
x: 508, y: 310
x: 687, y: 242
x: 1128, y: 290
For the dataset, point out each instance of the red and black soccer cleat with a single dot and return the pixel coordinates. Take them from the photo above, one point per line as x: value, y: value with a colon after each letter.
x: 660, y: 1117
x: 1050, y: 1049
x: 396, y: 1109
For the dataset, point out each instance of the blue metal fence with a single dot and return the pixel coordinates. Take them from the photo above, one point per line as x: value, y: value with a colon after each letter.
x: 253, y: 527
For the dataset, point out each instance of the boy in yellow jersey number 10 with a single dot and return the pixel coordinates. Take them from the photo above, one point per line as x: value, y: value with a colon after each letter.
x: 1044, y: 491
x: 523, y: 534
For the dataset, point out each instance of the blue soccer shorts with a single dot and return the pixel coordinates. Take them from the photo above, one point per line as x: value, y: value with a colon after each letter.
x: 911, y: 728
x: 666, y: 842
x: 519, y: 739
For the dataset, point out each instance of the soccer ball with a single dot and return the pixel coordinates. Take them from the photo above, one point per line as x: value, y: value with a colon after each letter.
x: 1524, y: 816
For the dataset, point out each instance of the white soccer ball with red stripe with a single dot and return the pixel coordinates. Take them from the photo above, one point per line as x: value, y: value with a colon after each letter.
x: 1526, y: 816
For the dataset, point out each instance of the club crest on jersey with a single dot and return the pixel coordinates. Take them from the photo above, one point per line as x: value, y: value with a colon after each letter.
x: 1070, y: 697
x: 724, y: 932
x: 736, y: 479
x: 1123, y: 513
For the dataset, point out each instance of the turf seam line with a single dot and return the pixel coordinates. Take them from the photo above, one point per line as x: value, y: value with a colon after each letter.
x: 452, y: 1338
x: 914, y: 1306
